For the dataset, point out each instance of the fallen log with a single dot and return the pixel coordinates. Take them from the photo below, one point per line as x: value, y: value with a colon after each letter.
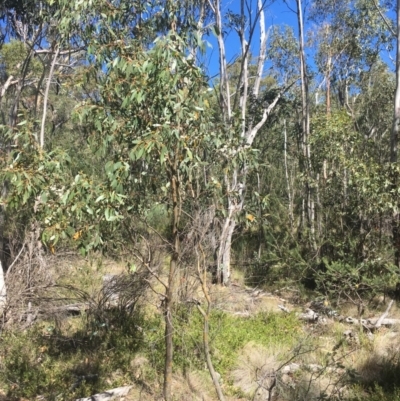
x: 108, y: 395
x: 384, y: 322
x: 373, y: 323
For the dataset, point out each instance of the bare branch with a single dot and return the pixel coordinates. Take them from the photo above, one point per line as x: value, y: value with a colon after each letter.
x: 211, y: 6
x: 267, y: 111
x: 14, y: 261
x: 263, y: 49
x: 51, y: 51
x: 224, y: 85
x: 46, y: 96
x: 380, y: 320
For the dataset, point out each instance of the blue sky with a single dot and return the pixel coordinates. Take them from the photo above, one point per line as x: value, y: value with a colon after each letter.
x: 277, y: 13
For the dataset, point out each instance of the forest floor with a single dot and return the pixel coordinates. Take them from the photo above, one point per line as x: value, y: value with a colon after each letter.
x: 264, y: 345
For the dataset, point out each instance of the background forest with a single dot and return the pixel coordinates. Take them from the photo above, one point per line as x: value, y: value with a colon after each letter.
x: 163, y: 228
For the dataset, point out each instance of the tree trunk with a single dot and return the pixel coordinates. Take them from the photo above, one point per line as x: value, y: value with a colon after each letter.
x: 46, y: 96
x: 169, y: 300
x: 224, y: 254
x: 236, y: 180
x: 394, y: 144
x: 310, y: 204
x: 202, y: 271
x: 289, y: 193
x: 169, y: 330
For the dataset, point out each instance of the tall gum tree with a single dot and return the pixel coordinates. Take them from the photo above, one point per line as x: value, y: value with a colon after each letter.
x: 236, y: 111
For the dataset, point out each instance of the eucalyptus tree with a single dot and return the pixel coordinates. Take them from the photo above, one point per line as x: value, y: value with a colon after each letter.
x: 244, y: 112
x: 350, y: 36
x: 19, y: 76
x: 349, y: 45
x: 148, y: 118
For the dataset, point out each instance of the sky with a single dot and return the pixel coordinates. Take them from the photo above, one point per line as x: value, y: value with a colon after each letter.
x: 276, y: 14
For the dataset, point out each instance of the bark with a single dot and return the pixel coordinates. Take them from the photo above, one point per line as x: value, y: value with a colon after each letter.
x: 394, y: 144
x: 328, y: 85
x: 225, y: 97
x: 371, y: 324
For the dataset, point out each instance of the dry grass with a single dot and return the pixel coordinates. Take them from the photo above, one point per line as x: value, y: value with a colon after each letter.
x: 194, y: 386
x: 369, y: 359
x: 244, y: 301
x: 255, y: 371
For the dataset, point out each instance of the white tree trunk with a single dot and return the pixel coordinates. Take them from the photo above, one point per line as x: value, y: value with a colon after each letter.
x: 46, y: 96
x: 236, y: 181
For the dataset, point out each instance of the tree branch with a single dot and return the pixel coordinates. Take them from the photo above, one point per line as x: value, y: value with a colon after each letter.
x: 46, y: 96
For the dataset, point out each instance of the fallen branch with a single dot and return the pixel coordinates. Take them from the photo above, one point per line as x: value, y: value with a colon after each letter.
x: 384, y: 322
x: 382, y: 318
x: 108, y: 395
x: 31, y: 315
x: 372, y: 323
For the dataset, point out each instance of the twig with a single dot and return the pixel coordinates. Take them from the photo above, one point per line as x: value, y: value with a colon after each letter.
x: 15, y: 260
x: 283, y: 308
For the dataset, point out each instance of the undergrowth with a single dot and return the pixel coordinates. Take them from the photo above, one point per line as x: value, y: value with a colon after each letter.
x: 84, y: 356
x: 78, y: 359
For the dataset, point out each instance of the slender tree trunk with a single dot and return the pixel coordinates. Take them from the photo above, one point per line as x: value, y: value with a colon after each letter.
x: 394, y: 144
x: 169, y: 329
x: 291, y: 218
x: 202, y: 271
x: 225, y: 97
x: 46, y: 96
x: 169, y: 300
x: 310, y: 204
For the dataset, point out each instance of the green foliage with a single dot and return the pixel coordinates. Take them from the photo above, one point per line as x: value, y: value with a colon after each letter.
x: 12, y: 58
x: 47, y: 360
x: 150, y: 123
x: 345, y: 281
x: 377, y: 394
x: 228, y: 335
